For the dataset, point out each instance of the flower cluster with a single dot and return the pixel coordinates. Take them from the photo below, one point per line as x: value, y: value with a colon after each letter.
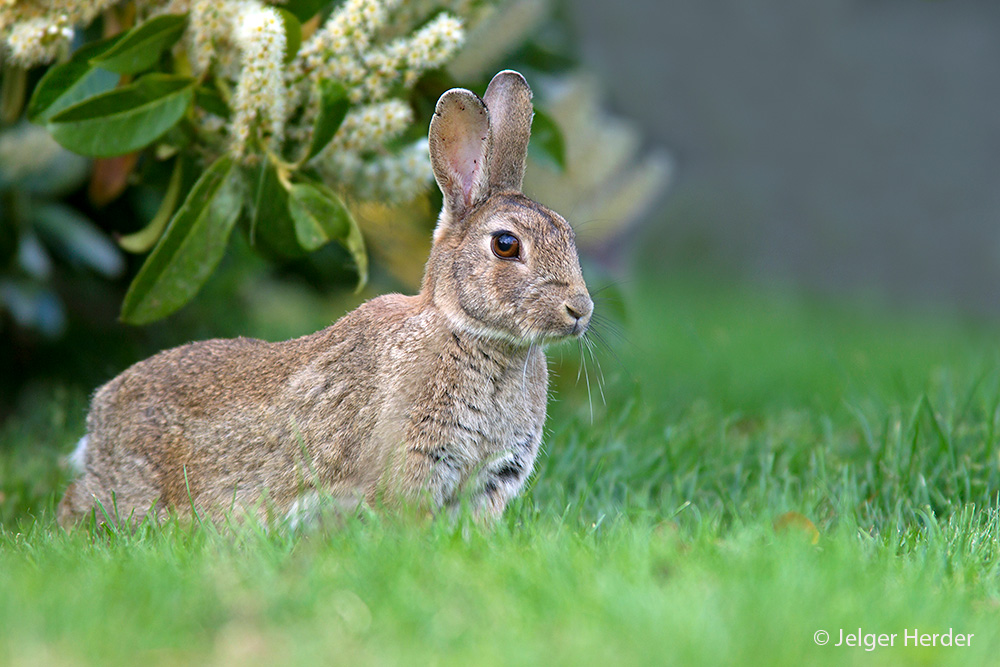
x: 392, y: 178
x: 38, y: 40
x: 260, y: 95
x: 340, y: 50
x: 406, y: 58
x: 34, y: 33
x: 377, y: 49
x: 349, y: 47
x: 368, y: 127
x: 212, y: 24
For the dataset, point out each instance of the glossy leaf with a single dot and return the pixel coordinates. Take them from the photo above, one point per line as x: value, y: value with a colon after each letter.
x: 547, y: 143
x: 190, y: 249
x: 293, y: 33
x: 272, y: 230
x: 320, y: 216
x: 140, y: 47
x: 125, y: 119
x: 333, y: 106
x: 71, y: 82
x: 318, y: 219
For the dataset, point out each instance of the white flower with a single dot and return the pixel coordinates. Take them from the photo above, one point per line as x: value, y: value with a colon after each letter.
x: 211, y: 24
x: 36, y: 32
x: 37, y: 40
x: 391, y: 178
x: 260, y: 98
x: 348, y: 32
x: 371, y: 126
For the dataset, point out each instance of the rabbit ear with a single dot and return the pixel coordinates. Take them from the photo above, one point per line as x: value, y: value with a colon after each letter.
x: 508, y: 98
x: 459, y: 141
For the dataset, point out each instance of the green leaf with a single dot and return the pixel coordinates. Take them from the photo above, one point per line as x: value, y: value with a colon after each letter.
x: 145, y: 238
x: 547, y: 143
x: 140, y: 47
x: 125, y: 119
x: 320, y: 216
x: 293, y: 33
x: 333, y: 107
x: 71, y: 82
x: 77, y: 238
x: 272, y: 230
x: 190, y: 249
x: 318, y: 219
x: 304, y: 10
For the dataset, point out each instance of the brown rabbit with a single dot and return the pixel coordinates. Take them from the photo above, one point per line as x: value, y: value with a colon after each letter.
x: 432, y: 399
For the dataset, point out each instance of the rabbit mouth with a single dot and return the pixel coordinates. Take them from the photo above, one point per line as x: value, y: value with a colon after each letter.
x: 563, y: 333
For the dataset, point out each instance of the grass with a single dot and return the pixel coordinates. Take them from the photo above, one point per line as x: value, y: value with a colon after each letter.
x: 647, y: 535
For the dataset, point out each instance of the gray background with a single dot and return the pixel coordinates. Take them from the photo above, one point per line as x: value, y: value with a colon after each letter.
x: 845, y: 145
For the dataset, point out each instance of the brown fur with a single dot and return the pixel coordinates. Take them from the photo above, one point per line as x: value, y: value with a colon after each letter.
x: 426, y: 399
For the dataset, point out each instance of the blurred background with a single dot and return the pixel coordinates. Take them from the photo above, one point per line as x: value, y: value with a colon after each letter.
x: 837, y: 148
x: 843, y: 146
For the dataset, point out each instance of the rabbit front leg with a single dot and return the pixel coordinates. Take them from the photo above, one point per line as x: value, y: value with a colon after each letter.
x: 501, y: 481
x: 489, y: 505
x: 436, y: 478
x: 427, y: 479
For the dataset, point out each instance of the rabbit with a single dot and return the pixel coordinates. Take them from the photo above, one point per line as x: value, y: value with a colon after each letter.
x: 434, y: 401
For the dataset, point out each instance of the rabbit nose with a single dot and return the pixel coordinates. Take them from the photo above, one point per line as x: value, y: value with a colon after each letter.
x: 579, y: 307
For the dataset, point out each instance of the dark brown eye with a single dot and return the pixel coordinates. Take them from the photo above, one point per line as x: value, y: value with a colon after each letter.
x: 506, y: 245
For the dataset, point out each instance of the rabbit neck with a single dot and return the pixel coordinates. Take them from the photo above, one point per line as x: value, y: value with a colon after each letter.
x: 440, y: 296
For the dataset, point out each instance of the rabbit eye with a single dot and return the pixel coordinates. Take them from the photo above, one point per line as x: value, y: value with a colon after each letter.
x: 506, y: 246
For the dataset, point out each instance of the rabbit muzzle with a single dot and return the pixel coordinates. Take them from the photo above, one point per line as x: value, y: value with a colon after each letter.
x: 579, y: 308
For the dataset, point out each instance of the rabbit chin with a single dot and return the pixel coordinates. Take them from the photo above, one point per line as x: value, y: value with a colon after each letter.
x: 549, y: 338
x: 531, y: 337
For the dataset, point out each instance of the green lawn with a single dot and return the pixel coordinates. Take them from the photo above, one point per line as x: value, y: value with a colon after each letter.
x: 647, y: 535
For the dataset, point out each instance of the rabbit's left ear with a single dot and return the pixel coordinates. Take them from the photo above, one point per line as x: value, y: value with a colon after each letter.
x: 508, y: 99
x: 459, y: 141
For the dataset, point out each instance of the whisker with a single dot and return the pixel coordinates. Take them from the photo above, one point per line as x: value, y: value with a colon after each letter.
x: 600, y: 371
x: 613, y: 328
x: 607, y: 347
x: 583, y: 364
x: 614, y: 283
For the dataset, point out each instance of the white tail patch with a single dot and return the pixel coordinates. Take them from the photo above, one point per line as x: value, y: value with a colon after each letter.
x: 304, y: 512
x: 312, y: 508
x: 77, y: 460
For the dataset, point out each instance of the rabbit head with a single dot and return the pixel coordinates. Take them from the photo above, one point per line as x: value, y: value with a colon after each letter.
x: 502, y: 266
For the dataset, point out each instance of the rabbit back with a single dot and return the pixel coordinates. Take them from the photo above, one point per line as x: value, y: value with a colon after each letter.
x: 213, y: 423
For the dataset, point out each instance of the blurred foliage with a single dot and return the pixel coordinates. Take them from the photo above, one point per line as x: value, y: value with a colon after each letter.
x: 123, y: 173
